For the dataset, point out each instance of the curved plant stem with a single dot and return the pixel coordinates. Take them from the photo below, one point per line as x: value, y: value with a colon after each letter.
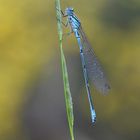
x: 67, y: 93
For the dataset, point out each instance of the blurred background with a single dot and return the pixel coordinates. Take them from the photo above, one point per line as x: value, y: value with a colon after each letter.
x: 32, y: 105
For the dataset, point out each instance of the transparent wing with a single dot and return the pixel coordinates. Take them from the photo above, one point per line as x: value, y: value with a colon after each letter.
x: 94, y: 69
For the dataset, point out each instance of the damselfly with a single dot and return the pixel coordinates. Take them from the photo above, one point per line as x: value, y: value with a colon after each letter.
x: 90, y: 64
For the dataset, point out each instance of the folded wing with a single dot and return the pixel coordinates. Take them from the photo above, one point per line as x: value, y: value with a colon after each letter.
x: 94, y: 69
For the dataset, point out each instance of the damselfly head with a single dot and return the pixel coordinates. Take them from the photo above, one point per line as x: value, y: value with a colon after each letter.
x: 69, y: 11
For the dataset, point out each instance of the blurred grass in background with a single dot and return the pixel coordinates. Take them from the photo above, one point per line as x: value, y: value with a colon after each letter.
x: 29, y: 42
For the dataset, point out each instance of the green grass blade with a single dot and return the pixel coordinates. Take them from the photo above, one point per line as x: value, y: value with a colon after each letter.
x: 67, y: 93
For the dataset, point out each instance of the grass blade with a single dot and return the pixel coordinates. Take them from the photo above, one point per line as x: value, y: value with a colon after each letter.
x: 67, y: 93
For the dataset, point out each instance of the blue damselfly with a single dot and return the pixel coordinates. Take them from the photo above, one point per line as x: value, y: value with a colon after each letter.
x: 91, y: 67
